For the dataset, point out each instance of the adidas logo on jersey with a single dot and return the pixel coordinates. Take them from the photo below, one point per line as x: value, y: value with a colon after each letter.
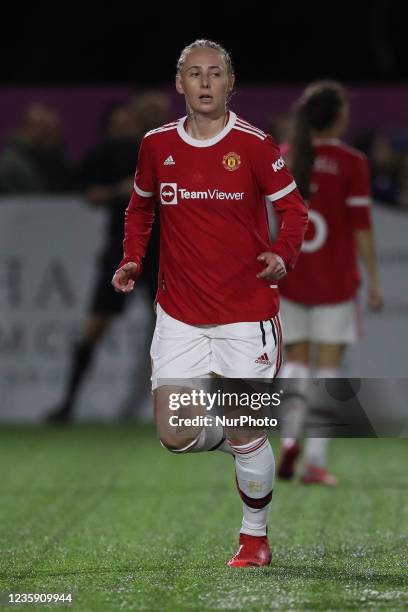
x: 169, y: 161
x: 263, y: 359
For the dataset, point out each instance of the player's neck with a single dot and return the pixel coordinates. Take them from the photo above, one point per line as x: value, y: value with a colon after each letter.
x: 202, y: 127
x: 333, y: 132
x: 326, y: 134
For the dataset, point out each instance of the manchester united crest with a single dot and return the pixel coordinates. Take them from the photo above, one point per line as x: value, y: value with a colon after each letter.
x: 231, y: 161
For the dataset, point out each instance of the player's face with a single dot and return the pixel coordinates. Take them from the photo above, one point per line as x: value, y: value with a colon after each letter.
x: 205, y: 82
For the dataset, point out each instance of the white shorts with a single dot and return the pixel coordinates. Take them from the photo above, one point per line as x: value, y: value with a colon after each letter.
x: 326, y: 323
x: 234, y: 350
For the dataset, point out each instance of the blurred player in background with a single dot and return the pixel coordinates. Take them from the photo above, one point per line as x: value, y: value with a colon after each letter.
x: 34, y: 160
x: 319, y: 307
x: 149, y: 110
x: 280, y: 127
x: 106, y: 177
x: 218, y: 304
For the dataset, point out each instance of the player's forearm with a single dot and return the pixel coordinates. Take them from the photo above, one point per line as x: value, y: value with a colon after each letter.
x: 292, y: 213
x: 366, y: 250
x: 139, y: 217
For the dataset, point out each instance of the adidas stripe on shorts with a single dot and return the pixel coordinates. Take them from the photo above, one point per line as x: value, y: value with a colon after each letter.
x: 235, y: 350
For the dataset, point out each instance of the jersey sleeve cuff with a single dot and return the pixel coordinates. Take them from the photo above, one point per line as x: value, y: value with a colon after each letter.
x: 135, y: 260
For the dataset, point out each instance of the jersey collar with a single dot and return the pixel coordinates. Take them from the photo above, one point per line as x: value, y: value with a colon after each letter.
x: 195, y: 142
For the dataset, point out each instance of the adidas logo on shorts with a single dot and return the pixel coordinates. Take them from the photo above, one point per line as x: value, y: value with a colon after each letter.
x: 263, y: 359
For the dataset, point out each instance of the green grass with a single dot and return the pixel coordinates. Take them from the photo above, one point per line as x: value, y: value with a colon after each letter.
x: 106, y: 513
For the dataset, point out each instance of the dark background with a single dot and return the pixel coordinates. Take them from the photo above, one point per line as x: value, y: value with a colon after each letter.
x: 269, y: 41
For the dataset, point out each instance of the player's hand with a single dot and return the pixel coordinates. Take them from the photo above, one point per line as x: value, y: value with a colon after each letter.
x: 274, y: 266
x: 375, y: 297
x: 122, y: 279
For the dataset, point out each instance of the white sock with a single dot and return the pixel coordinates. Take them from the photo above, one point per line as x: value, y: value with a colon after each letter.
x: 208, y: 439
x: 316, y: 452
x: 326, y: 373
x: 295, y: 406
x: 255, y: 472
x: 225, y: 447
x: 316, y: 448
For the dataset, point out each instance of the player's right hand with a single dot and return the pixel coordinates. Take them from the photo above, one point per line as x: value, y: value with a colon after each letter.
x: 375, y: 297
x: 122, y: 279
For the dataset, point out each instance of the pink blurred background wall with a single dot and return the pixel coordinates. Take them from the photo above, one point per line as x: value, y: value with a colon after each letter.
x: 80, y: 107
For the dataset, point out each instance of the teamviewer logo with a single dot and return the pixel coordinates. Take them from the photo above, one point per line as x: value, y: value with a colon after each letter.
x: 168, y: 193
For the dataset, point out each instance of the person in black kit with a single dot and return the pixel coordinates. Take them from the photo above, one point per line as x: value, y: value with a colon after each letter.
x: 106, y: 178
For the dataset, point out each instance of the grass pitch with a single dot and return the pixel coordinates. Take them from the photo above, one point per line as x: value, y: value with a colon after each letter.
x: 105, y: 513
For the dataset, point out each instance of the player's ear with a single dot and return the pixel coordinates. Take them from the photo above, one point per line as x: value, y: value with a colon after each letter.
x: 179, y: 85
x: 231, y: 82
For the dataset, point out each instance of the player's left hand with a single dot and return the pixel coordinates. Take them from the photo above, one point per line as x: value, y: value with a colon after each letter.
x: 274, y: 266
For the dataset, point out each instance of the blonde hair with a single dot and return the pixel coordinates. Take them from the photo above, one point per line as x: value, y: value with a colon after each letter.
x: 210, y: 44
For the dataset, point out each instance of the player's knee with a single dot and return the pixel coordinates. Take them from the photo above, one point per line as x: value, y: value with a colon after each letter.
x: 178, y: 443
x: 175, y: 437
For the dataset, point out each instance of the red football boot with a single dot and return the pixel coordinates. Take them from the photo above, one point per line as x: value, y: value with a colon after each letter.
x: 252, y: 551
x: 312, y: 474
x: 287, y: 461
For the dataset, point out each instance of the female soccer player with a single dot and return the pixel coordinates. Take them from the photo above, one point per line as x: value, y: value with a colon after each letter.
x: 319, y: 312
x: 217, y: 301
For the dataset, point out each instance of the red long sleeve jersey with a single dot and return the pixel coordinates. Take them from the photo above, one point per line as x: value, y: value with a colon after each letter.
x: 213, y: 220
x: 327, y: 269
